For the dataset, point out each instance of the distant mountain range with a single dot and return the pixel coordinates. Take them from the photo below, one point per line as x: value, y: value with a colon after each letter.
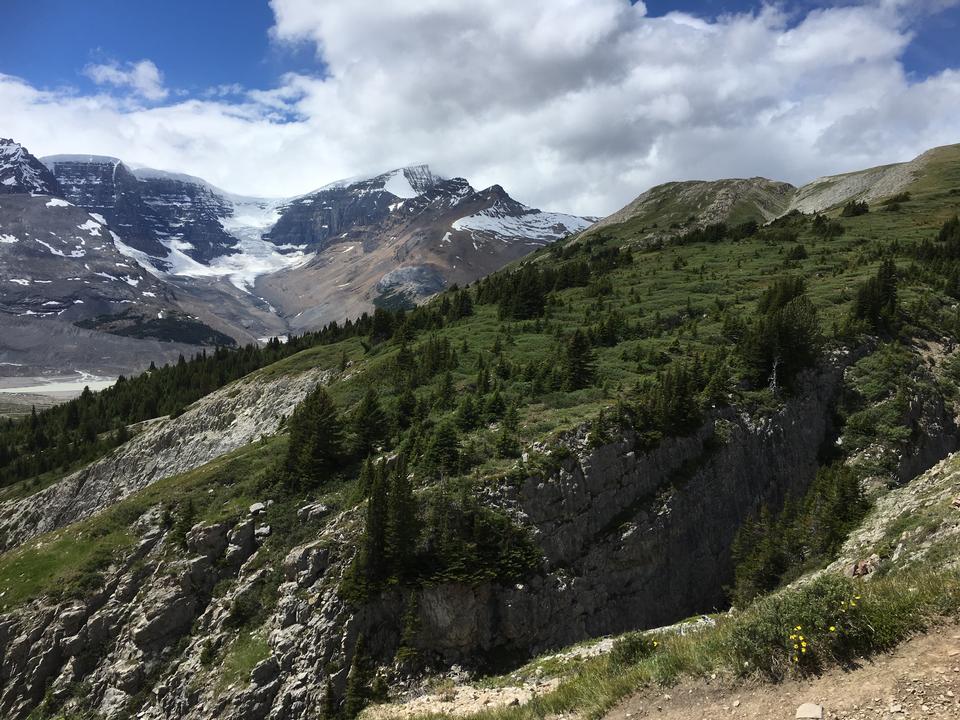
x: 91, y: 248
x: 148, y: 254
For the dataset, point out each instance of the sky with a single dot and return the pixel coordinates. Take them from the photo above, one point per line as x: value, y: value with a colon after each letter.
x: 571, y: 105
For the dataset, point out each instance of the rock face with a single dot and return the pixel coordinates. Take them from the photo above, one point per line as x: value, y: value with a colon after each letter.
x: 106, y: 186
x: 397, y: 239
x: 21, y: 172
x: 223, y: 421
x: 708, y: 202
x: 115, y: 642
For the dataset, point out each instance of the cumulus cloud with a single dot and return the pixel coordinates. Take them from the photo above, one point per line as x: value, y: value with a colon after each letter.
x: 575, y: 105
x: 143, y: 78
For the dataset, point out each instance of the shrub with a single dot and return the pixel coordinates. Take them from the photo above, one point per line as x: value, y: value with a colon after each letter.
x: 822, y: 622
x: 854, y: 208
x: 630, y: 648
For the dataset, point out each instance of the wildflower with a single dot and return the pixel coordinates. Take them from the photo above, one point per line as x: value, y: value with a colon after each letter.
x: 796, y: 647
x: 798, y: 628
x: 655, y: 643
x: 852, y: 604
x: 803, y: 650
x: 793, y: 637
x: 833, y: 628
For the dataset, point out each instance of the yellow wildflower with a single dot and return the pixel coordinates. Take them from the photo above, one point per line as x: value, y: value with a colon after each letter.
x: 833, y: 628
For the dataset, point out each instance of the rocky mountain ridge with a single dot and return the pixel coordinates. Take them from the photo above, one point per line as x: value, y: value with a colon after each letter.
x: 246, y: 268
x: 667, y: 209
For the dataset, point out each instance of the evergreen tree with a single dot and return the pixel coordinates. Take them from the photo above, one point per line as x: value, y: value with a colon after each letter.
x: 442, y: 453
x: 357, y: 693
x: 374, y: 557
x: 579, y: 363
x: 508, y: 444
x: 402, y: 521
x: 368, y: 423
x: 316, y: 440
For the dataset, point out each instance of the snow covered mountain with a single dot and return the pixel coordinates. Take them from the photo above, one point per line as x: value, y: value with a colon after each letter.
x: 21, y: 172
x: 138, y: 252
x: 397, y: 238
x: 409, y: 230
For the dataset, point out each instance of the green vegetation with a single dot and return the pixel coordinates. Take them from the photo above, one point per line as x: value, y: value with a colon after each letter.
x: 839, y: 619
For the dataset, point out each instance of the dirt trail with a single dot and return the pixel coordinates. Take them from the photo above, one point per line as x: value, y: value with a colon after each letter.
x: 920, y: 679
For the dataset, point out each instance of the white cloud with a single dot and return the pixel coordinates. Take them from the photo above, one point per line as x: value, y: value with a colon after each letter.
x: 572, y: 105
x: 143, y: 78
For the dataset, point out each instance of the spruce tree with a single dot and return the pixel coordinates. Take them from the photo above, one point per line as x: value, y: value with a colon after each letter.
x: 368, y: 423
x: 442, y: 453
x: 375, y: 533
x: 316, y: 439
x: 579, y: 365
x: 402, y: 521
x: 358, y: 683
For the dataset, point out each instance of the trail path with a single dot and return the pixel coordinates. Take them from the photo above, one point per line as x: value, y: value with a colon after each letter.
x: 920, y: 679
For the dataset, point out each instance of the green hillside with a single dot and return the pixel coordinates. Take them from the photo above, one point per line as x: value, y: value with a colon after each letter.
x: 428, y: 408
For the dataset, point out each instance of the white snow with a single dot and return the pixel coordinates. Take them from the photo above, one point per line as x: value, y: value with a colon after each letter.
x: 147, y: 293
x: 346, y: 250
x: 9, y: 239
x: 20, y: 281
x: 57, y: 202
x: 91, y: 226
x: 397, y: 184
x: 98, y: 217
x: 446, y: 239
x: 10, y: 181
x: 532, y: 224
x: 76, y: 253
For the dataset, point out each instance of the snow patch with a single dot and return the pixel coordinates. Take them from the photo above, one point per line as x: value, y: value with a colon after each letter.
x: 91, y: 226
x: 531, y: 224
x: 9, y: 239
x: 57, y: 202
x: 397, y: 184
x: 20, y: 281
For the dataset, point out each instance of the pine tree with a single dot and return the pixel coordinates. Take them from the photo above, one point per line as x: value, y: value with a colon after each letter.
x: 507, y: 443
x: 402, y: 521
x: 374, y: 549
x: 442, y: 453
x: 316, y: 440
x: 369, y: 423
x: 358, y: 683
x: 580, y: 365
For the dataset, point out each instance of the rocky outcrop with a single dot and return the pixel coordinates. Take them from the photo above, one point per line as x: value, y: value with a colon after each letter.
x: 107, y: 649
x: 630, y: 538
x: 225, y: 420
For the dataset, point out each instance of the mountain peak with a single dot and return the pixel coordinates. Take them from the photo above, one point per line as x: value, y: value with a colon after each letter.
x: 21, y: 172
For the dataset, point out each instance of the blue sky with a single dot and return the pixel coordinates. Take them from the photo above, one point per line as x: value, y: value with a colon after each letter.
x: 200, y: 44
x: 197, y: 44
x: 575, y: 111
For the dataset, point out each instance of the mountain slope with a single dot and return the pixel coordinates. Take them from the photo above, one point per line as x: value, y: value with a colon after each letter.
x: 20, y: 172
x: 699, y: 203
x: 416, y: 233
x: 373, y: 246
